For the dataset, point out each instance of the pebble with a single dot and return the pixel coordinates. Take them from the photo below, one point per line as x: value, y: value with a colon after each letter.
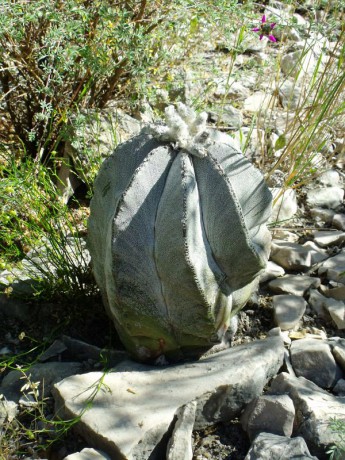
x: 289, y: 94
x: 330, y: 178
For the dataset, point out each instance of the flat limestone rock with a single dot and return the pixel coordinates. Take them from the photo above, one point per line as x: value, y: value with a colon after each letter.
x: 339, y: 353
x: 334, y: 267
x: 317, y: 254
x: 45, y: 373
x: 269, y: 413
x: 314, y: 410
x: 336, y: 309
x: 339, y: 221
x: 180, y: 444
x: 313, y: 359
x: 288, y: 310
x: 268, y: 446
x: 293, y: 284
x: 337, y: 293
x: 285, y: 204
x: 325, y: 197
x: 271, y: 271
x: 290, y: 256
x: 136, y: 404
x: 319, y: 303
x: 88, y: 454
x: 329, y: 238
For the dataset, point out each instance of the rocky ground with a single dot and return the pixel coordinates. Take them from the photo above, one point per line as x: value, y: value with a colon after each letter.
x: 299, y: 307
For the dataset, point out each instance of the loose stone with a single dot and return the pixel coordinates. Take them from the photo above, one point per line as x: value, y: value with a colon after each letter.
x: 268, y: 446
x: 325, y: 197
x: 258, y: 101
x: 271, y: 271
x: 339, y: 221
x: 314, y: 410
x: 288, y: 310
x: 284, y: 207
x: 334, y: 268
x: 88, y: 454
x: 270, y: 414
x: 318, y: 303
x: 325, y: 238
x: 339, y: 353
x: 180, y: 443
x: 322, y: 215
x: 316, y: 253
x: 290, y: 256
x: 337, y: 293
x: 339, y: 388
x: 313, y: 359
x: 127, y: 422
x: 336, y: 309
x: 294, y: 284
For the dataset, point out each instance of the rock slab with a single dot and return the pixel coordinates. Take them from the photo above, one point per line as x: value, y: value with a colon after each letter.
x: 180, y: 444
x: 268, y: 446
x: 288, y: 310
x: 88, y: 454
x: 269, y: 413
x: 314, y: 410
x: 133, y: 411
x: 313, y: 359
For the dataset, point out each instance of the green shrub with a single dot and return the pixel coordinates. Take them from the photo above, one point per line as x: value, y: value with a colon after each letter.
x: 61, y: 55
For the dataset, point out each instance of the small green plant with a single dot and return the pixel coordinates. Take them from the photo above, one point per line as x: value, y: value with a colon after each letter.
x: 318, y: 114
x: 40, y: 234
x: 337, y: 450
x: 30, y: 431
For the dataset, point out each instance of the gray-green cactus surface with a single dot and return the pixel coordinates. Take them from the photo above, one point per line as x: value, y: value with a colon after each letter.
x: 177, y: 240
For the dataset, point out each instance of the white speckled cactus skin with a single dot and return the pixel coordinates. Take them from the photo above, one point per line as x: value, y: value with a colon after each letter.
x: 177, y: 236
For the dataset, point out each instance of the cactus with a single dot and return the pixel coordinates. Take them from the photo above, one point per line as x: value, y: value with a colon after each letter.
x: 177, y: 236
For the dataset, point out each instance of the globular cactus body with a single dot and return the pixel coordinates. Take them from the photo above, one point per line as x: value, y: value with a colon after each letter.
x: 177, y: 237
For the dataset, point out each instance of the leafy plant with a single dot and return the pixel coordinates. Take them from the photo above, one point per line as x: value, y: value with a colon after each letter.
x: 57, y: 57
x: 318, y: 115
x: 337, y: 450
x: 36, y: 226
x: 32, y: 431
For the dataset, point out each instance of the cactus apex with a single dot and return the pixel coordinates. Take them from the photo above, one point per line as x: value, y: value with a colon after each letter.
x: 184, y: 128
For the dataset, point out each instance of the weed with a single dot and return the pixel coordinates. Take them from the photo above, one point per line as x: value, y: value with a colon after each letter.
x: 37, y: 226
x: 337, y: 450
x: 27, y: 429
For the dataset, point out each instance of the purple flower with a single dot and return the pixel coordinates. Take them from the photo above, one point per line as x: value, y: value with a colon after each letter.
x: 265, y: 29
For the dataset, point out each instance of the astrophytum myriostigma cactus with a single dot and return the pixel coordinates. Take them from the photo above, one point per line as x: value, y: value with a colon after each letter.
x: 177, y: 236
